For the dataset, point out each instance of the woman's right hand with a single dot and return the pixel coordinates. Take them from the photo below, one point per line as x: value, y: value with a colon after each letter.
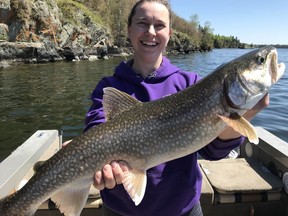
x: 111, y: 175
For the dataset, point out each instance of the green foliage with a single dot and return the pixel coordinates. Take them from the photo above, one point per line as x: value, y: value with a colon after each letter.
x: 69, y: 7
x: 188, y: 28
x: 119, y: 12
x: 21, y: 8
x: 207, y: 40
x: 114, y: 14
x: 221, y: 41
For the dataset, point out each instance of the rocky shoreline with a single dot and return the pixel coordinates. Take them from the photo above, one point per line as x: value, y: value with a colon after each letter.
x: 42, y: 52
x: 37, y: 32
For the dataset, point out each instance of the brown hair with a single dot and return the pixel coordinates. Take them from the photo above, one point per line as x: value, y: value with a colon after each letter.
x: 163, y: 2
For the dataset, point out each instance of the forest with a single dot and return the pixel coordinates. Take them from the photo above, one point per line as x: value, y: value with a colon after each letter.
x: 114, y: 13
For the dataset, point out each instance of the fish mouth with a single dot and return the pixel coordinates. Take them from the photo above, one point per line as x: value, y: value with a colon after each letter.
x: 276, y: 69
x: 280, y: 69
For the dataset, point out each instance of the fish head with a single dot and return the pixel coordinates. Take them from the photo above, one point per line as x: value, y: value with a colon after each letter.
x: 253, y: 75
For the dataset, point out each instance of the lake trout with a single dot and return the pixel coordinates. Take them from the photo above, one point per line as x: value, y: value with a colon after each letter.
x: 147, y: 134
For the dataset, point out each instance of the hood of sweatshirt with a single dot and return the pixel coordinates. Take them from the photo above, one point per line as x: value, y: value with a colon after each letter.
x: 125, y: 71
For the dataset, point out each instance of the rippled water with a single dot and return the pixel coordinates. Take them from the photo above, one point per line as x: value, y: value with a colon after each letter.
x: 56, y: 95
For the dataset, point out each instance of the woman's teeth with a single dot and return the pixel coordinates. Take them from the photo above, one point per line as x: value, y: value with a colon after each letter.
x: 149, y: 43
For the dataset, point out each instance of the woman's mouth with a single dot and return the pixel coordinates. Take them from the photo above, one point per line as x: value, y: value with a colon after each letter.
x: 149, y: 43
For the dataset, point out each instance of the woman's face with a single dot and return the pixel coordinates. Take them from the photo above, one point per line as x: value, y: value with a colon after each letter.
x: 150, y: 30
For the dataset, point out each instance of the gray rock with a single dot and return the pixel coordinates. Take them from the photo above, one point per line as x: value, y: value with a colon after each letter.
x: 3, y: 32
x: 4, y: 10
x: 37, y: 31
x: 29, y: 52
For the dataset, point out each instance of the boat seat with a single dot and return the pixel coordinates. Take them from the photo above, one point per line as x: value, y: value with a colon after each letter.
x: 241, y: 180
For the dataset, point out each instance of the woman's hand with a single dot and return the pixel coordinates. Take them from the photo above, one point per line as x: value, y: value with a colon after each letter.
x: 111, y: 175
x: 229, y: 133
x: 264, y: 102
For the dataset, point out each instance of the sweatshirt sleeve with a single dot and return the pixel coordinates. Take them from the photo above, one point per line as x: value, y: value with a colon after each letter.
x: 95, y: 114
x: 219, y: 149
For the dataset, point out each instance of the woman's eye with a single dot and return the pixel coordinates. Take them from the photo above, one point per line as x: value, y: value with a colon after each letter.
x: 159, y: 26
x: 142, y: 23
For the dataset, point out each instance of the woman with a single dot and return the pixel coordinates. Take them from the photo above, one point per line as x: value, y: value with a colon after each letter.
x: 173, y: 188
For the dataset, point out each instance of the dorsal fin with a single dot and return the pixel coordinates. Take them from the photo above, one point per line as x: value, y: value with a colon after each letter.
x: 115, y: 102
x: 38, y: 165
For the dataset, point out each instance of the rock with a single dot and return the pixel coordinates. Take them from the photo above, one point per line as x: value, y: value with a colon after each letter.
x: 4, y: 10
x: 114, y: 50
x: 28, y: 52
x: 100, y: 49
x: 119, y: 52
x: 41, y: 33
x: 65, y: 34
x: 4, y: 64
x: 14, y: 29
x: 72, y: 53
x: 93, y: 58
x: 48, y: 53
x: 3, y: 32
x: 9, y: 50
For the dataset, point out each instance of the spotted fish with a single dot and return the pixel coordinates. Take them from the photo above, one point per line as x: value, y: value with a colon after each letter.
x: 151, y: 133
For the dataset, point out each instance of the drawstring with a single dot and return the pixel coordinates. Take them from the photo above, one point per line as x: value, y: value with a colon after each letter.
x: 152, y: 75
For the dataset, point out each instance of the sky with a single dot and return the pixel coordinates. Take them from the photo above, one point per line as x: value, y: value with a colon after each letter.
x: 251, y: 21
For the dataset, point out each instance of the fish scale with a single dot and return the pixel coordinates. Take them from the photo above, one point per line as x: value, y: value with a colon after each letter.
x: 147, y: 134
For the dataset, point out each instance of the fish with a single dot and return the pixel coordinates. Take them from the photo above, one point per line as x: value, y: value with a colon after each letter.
x: 145, y: 134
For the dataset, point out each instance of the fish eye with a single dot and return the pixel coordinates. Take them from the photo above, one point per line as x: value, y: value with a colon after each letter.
x: 260, y: 59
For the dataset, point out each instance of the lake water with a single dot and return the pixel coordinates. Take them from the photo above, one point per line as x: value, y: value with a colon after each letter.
x: 56, y: 95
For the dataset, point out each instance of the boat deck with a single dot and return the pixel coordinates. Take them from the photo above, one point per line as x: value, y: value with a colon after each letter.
x: 252, y: 184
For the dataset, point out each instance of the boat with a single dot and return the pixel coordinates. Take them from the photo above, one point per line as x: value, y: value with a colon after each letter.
x: 253, y: 183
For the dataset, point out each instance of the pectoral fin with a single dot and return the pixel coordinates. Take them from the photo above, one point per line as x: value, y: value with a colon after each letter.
x: 134, y: 183
x: 242, y: 126
x: 71, y: 200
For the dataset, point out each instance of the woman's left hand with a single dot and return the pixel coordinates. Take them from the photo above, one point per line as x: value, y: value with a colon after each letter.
x: 229, y: 133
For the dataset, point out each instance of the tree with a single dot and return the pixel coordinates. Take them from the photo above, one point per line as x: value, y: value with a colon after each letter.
x: 207, y: 41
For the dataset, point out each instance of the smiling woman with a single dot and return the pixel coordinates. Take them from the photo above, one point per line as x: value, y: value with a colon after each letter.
x: 149, y: 31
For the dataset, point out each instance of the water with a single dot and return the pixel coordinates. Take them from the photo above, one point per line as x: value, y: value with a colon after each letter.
x: 56, y: 95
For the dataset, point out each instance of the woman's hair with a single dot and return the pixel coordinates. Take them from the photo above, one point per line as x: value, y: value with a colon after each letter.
x: 163, y: 2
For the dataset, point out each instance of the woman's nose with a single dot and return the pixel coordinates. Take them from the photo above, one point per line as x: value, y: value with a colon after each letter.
x: 151, y: 30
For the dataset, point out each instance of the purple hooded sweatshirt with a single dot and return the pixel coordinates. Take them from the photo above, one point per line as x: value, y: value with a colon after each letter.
x: 173, y: 188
